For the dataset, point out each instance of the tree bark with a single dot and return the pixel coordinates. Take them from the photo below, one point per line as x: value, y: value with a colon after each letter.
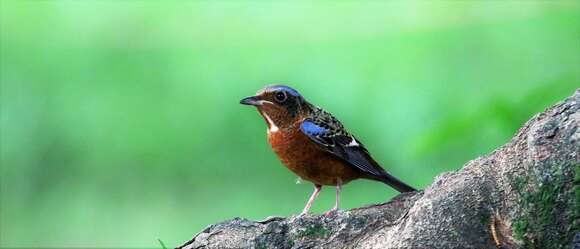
x: 524, y: 194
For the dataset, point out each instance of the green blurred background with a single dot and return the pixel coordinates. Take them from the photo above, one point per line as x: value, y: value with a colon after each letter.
x: 120, y: 121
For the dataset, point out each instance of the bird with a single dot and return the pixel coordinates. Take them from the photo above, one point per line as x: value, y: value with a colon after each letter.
x: 314, y: 145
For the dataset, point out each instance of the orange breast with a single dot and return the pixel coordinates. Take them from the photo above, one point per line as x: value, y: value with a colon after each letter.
x: 307, y: 160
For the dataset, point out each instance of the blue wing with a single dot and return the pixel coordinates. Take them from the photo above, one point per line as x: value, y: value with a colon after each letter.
x: 342, y: 145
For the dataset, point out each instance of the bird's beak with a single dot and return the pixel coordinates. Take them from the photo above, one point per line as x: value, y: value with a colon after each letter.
x: 253, y: 100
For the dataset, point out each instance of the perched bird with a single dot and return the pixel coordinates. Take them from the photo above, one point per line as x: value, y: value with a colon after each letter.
x: 314, y: 145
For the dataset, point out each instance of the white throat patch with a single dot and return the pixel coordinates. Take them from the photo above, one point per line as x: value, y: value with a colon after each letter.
x: 273, y: 128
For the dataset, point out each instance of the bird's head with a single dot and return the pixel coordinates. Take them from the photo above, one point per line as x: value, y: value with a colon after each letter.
x: 279, y: 105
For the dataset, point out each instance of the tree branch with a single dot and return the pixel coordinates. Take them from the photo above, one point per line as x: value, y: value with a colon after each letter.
x: 522, y: 195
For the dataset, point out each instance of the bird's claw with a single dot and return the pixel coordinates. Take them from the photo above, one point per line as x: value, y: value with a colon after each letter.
x: 299, y: 216
x: 331, y: 212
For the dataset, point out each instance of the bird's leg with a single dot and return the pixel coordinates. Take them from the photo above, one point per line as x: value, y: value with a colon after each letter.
x: 337, y: 204
x: 317, y: 189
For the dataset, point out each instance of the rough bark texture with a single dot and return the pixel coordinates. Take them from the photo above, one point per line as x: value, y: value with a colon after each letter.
x: 522, y: 195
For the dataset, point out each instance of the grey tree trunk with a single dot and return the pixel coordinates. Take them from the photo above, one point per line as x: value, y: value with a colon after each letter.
x: 524, y: 194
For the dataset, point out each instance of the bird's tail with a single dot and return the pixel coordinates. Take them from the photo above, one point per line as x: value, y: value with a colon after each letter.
x: 400, y: 186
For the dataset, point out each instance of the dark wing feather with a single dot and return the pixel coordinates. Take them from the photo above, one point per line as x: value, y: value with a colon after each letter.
x: 333, y: 138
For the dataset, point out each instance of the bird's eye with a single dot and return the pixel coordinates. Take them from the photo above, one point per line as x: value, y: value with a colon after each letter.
x: 280, y: 96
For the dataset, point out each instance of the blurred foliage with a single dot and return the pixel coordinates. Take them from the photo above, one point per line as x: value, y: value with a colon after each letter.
x: 120, y: 121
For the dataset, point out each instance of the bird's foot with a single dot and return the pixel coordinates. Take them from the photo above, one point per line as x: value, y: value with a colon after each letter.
x: 299, y: 216
x: 331, y: 212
